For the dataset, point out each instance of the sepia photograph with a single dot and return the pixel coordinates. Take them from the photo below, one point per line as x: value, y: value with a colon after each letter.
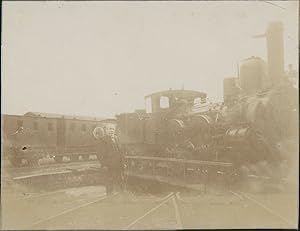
x: 149, y: 115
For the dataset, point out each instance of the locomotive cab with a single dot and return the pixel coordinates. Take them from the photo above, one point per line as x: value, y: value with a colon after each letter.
x: 149, y: 132
x: 180, y: 101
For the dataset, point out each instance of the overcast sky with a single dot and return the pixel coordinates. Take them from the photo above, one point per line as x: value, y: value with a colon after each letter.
x: 102, y: 58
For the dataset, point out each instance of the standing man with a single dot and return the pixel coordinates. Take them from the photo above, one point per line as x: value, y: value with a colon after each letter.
x: 111, y: 159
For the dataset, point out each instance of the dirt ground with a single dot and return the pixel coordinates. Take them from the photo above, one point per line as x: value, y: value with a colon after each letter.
x: 87, y: 208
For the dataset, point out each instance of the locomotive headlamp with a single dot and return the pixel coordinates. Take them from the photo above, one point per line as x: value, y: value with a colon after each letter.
x: 98, y: 132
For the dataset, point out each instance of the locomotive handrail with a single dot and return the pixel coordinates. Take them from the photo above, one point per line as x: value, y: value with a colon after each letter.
x: 203, y: 162
x: 34, y: 147
x: 80, y: 153
x: 82, y: 146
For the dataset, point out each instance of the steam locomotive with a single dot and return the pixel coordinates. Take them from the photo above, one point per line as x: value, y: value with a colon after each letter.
x: 255, y: 128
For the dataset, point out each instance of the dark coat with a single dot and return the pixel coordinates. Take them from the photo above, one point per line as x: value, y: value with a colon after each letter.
x: 109, y: 153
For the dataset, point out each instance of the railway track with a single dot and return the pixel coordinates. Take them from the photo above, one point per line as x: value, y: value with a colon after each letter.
x: 168, y: 210
x: 174, y: 209
x: 29, y: 171
x: 271, y: 211
x: 51, y: 177
x: 47, y: 162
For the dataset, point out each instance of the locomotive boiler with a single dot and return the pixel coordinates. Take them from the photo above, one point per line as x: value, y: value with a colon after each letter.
x: 255, y: 128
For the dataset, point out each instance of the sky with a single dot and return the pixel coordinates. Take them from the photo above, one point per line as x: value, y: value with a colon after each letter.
x: 102, y: 58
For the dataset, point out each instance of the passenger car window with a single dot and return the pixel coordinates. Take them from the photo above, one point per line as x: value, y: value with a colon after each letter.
x: 50, y: 127
x: 19, y: 123
x: 72, y: 126
x: 35, y: 125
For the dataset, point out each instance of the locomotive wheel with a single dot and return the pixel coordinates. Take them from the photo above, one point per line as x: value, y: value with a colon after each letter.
x: 33, y: 161
x: 16, y: 162
x: 74, y: 158
x: 85, y: 157
x: 58, y: 159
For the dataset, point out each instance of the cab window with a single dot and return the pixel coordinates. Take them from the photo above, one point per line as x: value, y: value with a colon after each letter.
x: 148, y: 105
x: 197, y: 100
x: 164, y: 102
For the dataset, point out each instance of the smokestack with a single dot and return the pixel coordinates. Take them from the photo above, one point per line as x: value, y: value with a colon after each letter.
x: 275, y: 52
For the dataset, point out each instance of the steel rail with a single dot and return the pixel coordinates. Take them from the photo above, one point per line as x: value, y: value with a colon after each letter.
x: 48, y: 169
x: 237, y: 195
x: 203, y: 162
x: 271, y: 211
x: 177, y: 213
x: 41, y: 195
x: 42, y: 174
x: 164, y: 200
x: 48, y: 165
x: 103, y: 197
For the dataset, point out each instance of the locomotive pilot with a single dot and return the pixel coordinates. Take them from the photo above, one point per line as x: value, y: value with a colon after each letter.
x: 111, y: 159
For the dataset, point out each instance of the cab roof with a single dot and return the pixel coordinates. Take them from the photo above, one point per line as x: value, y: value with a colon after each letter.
x: 178, y: 93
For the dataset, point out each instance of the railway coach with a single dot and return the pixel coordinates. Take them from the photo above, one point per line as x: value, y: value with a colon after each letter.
x: 34, y: 135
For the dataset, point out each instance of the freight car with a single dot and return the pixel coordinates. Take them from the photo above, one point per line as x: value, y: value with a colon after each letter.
x: 33, y: 136
x: 254, y: 128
